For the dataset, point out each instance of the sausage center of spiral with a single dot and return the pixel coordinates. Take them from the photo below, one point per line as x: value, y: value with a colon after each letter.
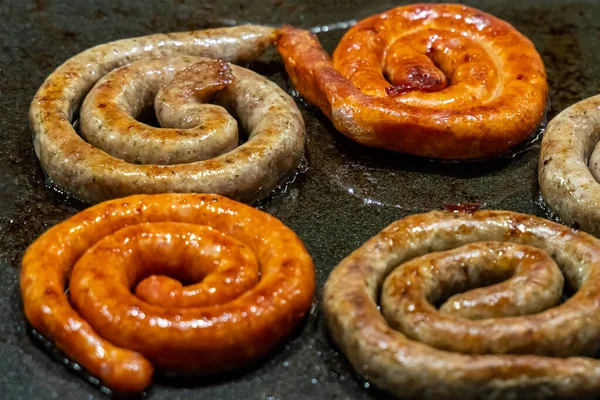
x: 179, y: 88
x: 531, y: 283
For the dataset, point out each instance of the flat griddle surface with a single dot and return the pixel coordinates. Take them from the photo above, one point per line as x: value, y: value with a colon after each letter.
x: 348, y: 194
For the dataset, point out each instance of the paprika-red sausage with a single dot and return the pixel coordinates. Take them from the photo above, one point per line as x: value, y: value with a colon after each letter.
x: 257, y: 283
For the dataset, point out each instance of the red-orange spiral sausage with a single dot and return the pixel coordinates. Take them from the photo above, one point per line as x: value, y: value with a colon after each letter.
x: 196, y: 148
x: 257, y: 282
x: 439, y: 80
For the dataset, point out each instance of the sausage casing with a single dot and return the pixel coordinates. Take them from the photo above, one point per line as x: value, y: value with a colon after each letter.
x: 110, y: 247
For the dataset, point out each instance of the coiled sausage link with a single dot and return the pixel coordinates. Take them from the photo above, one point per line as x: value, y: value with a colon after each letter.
x: 196, y: 150
x: 569, y: 165
x: 478, y: 345
x: 258, y: 284
x: 438, y: 80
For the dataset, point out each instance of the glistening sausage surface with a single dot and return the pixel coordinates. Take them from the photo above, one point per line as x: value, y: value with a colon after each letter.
x: 105, y: 250
x: 94, y: 174
x: 437, y: 355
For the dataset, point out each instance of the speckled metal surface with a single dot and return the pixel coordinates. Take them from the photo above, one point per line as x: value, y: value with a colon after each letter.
x: 347, y: 195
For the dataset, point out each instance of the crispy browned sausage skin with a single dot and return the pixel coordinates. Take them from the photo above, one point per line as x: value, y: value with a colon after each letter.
x: 538, y: 356
x: 439, y: 80
x: 110, y: 247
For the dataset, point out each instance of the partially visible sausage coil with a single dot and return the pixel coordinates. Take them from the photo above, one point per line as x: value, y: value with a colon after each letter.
x: 255, y: 282
x: 196, y: 149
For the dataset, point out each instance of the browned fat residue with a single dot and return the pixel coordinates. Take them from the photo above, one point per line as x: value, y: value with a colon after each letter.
x: 469, y: 207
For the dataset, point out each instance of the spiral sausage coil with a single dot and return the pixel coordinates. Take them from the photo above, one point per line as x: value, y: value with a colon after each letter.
x: 509, y: 340
x: 253, y: 281
x: 196, y: 149
x: 437, y: 80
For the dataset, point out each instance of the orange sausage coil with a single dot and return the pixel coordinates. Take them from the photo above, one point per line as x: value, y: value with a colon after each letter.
x: 255, y: 284
x: 438, y: 80
x: 455, y: 305
x: 195, y: 149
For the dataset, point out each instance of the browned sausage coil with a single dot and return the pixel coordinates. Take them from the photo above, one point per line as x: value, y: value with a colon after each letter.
x: 480, y: 344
